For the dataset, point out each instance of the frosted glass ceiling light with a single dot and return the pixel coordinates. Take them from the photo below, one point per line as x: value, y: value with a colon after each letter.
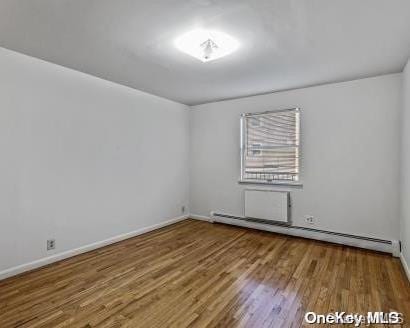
x: 206, y: 45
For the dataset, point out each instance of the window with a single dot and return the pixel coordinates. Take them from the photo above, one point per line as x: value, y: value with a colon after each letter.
x: 270, y: 146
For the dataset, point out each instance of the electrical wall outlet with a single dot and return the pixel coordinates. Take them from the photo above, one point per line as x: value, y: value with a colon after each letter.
x: 51, y: 244
x: 310, y: 219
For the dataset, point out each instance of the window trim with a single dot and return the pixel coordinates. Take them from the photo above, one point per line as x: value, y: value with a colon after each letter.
x: 296, y: 183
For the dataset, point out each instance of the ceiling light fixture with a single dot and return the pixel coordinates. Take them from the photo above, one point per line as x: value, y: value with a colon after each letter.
x: 206, y: 45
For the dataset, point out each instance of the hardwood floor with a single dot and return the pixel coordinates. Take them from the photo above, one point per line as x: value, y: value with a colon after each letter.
x: 199, y: 274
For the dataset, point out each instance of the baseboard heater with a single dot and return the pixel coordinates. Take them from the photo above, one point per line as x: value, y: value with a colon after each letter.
x: 381, y: 245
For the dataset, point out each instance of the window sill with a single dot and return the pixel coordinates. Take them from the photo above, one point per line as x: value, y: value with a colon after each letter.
x: 272, y: 183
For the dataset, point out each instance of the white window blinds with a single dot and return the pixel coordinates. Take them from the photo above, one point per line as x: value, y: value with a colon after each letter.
x: 270, y: 146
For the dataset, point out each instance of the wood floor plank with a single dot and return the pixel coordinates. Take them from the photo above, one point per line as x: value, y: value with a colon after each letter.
x: 197, y: 274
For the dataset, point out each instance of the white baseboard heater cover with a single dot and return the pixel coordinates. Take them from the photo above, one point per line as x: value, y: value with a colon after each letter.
x: 267, y: 205
x: 387, y: 246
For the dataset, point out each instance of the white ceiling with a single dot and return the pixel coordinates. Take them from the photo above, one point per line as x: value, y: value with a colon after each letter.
x: 284, y: 43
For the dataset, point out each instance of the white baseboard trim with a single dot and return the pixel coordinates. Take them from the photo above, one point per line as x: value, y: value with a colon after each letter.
x: 83, y: 249
x: 200, y: 217
x: 405, y: 266
x: 316, y: 235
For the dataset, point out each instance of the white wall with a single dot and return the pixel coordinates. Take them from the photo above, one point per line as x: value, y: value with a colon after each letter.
x: 350, y: 164
x: 82, y: 159
x: 405, y: 165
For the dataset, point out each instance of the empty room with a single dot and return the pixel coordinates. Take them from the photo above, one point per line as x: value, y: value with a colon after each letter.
x: 204, y: 163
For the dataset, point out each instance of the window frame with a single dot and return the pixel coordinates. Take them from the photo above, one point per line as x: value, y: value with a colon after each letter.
x: 243, y: 148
